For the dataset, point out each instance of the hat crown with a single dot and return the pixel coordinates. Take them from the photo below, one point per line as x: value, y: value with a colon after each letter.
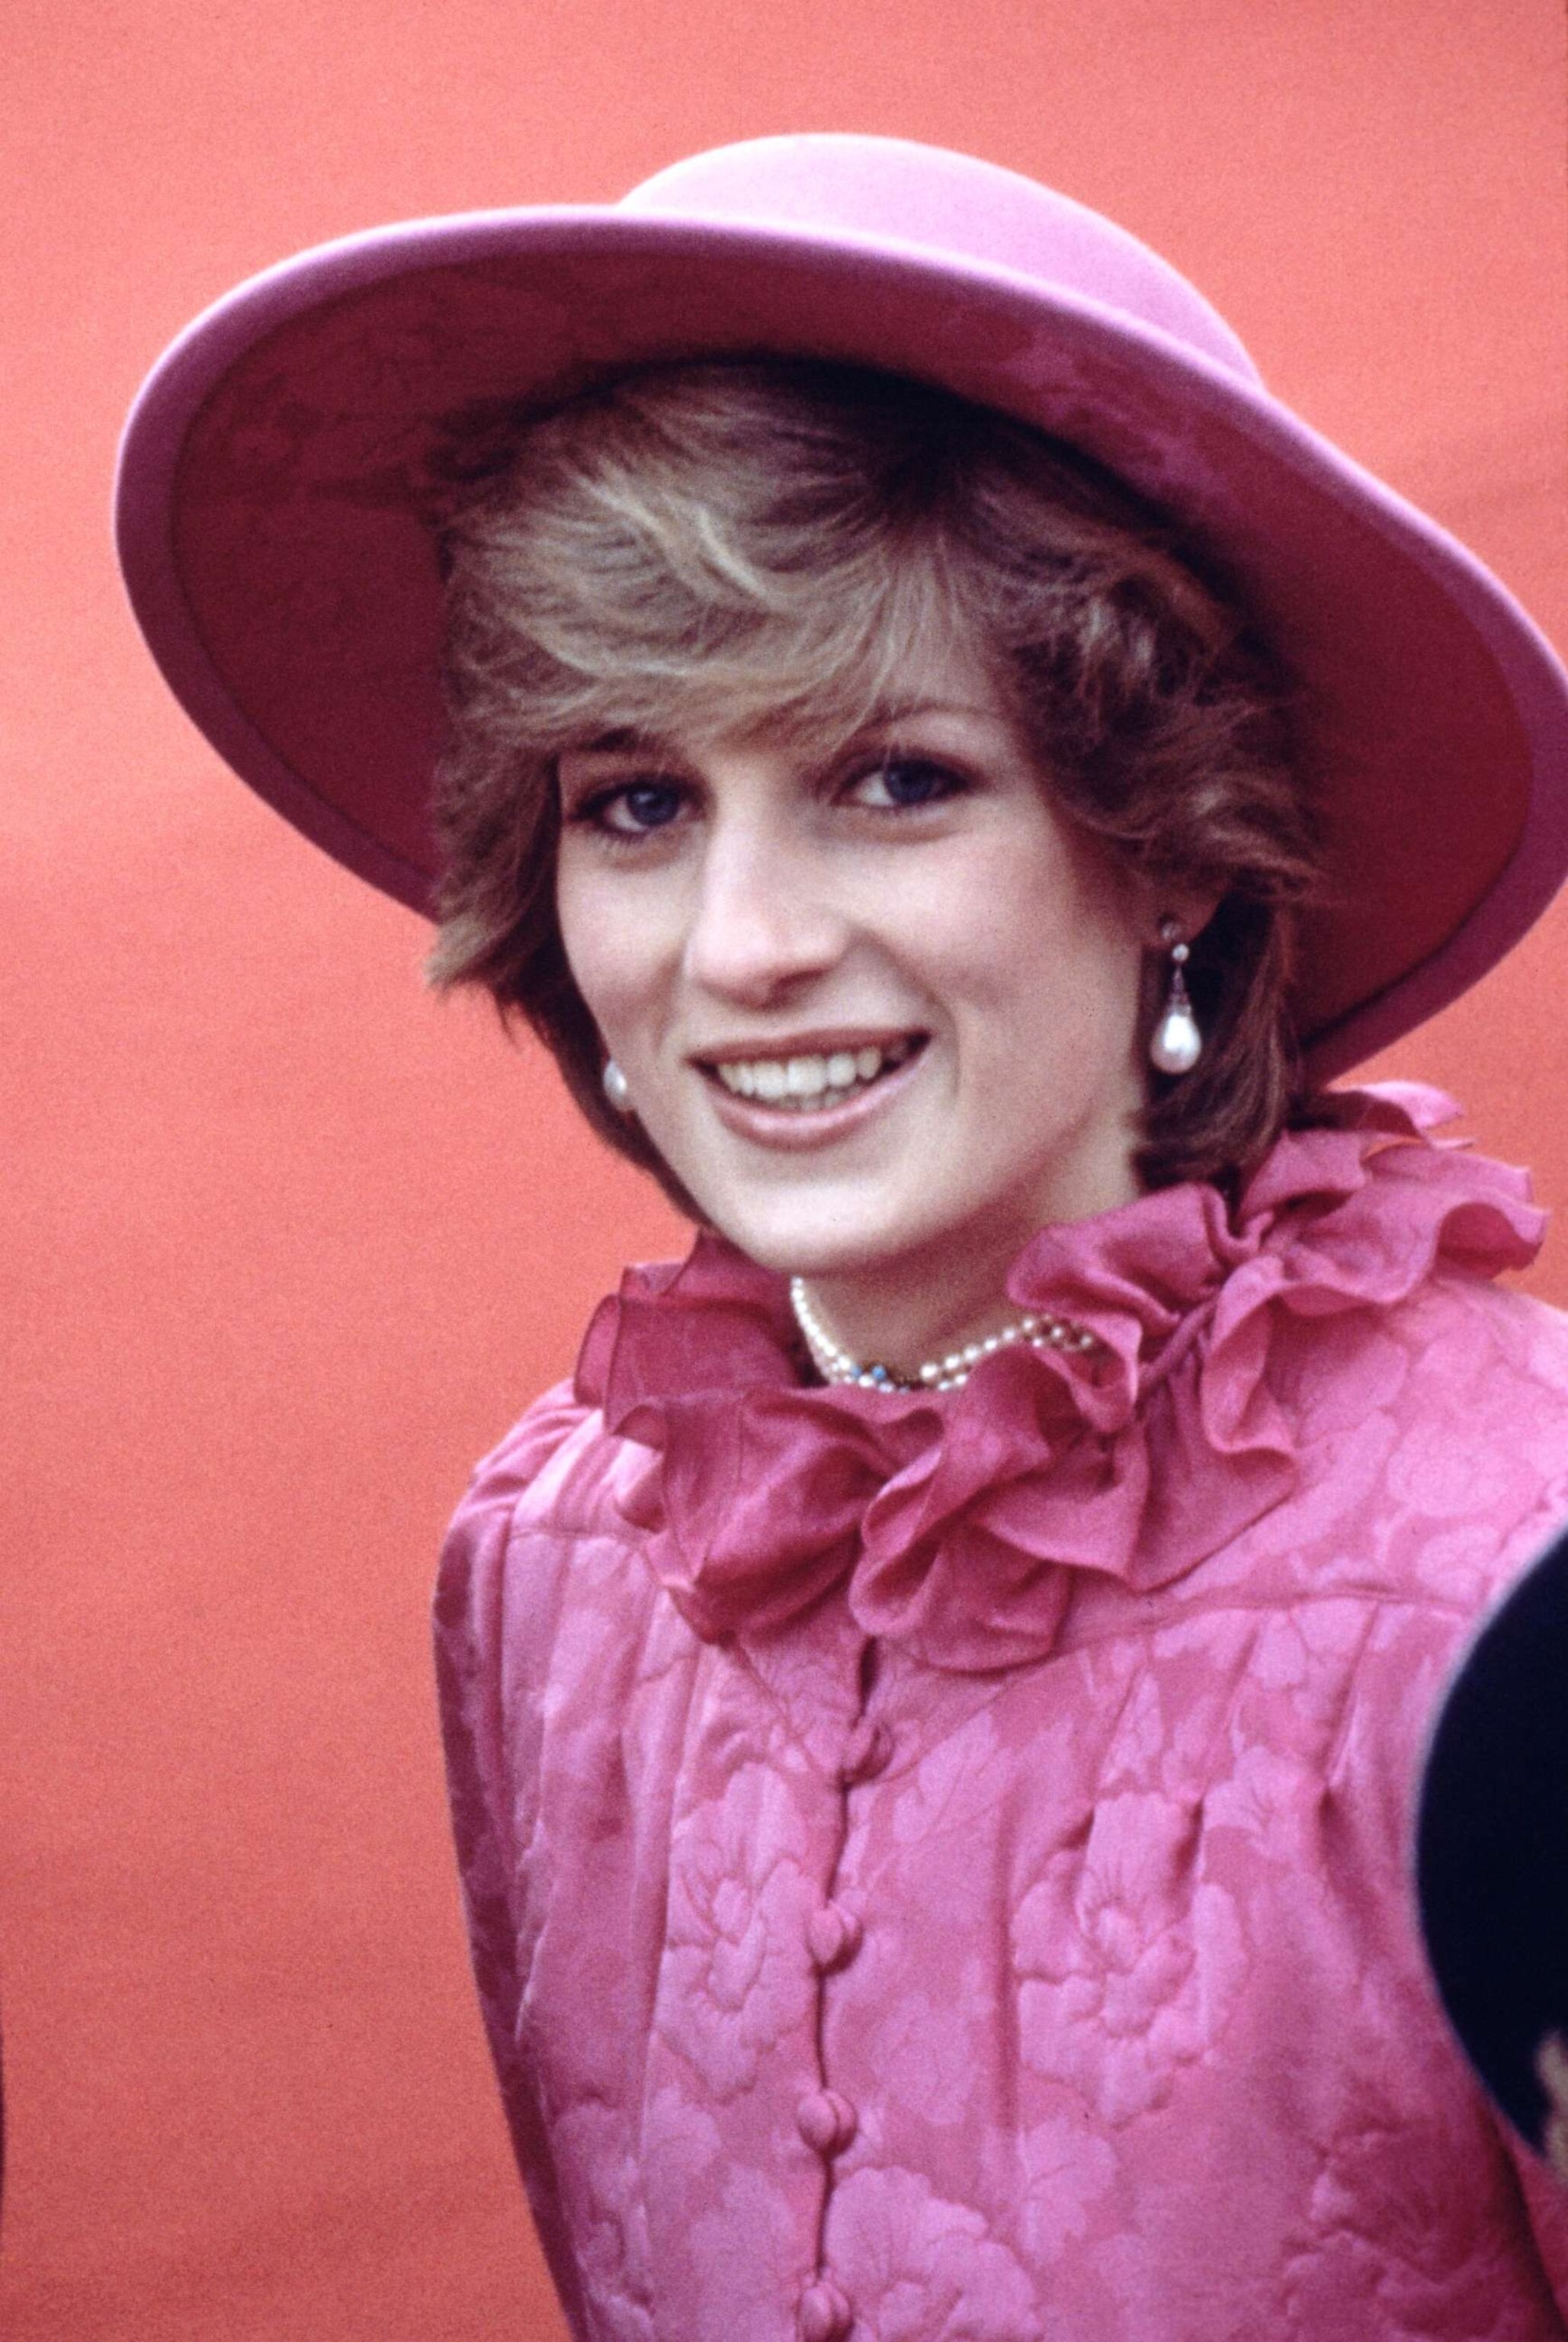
x: 894, y: 190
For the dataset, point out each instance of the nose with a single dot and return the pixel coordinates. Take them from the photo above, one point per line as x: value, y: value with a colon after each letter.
x: 764, y: 922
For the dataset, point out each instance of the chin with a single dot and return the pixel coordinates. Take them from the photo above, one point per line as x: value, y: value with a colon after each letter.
x: 824, y: 1241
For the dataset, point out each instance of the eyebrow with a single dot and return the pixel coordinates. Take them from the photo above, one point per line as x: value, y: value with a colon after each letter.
x: 623, y: 739
x: 887, y: 724
x: 899, y: 711
x: 635, y: 740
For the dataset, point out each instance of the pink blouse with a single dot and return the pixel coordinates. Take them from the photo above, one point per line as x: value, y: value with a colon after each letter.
x: 937, y: 1866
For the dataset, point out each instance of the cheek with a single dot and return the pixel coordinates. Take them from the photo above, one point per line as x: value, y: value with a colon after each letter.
x: 604, y: 950
x: 1050, y: 948
x: 1069, y: 1018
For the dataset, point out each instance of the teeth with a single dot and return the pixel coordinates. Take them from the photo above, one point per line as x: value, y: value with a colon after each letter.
x: 802, y: 1082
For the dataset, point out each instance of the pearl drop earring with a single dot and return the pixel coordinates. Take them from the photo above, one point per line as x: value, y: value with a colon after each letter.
x: 1175, y: 1045
x: 617, y: 1088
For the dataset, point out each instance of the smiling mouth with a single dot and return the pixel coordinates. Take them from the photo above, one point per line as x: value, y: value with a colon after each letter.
x: 813, y: 1084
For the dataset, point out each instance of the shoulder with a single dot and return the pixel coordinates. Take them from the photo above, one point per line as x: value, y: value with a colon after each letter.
x: 1521, y: 1331
x: 558, y: 1469
x: 541, y: 1526
x: 1376, y: 1290
x: 1431, y: 1441
x: 1478, y: 1460
x: 1483, y: 1366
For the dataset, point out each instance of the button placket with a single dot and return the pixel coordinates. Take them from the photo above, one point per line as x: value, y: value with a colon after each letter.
x: 833, y: 1936
x: 824, y: 2315
x: 866, y: 1752
x: 826, y: 2121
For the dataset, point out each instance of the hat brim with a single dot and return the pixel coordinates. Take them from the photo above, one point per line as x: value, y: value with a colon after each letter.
x: 275, y: 487
x: 1491, y: 1844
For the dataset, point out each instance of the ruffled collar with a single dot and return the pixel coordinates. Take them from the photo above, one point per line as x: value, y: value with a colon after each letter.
x: 956, y: 1523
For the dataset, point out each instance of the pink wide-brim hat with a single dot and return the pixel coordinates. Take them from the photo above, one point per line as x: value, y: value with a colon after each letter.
x: 275, y: 498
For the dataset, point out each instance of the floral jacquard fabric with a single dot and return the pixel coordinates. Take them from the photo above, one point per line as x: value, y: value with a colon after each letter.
x: 937, y: 1865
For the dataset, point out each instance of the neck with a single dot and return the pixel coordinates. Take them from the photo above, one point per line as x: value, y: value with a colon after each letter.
x: 924, y: 1304
x: 1039, y: 1329
x: 900, y: 1329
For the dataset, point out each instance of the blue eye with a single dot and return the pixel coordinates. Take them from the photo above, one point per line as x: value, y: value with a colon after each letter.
x: 634, y: 808
x: 911, y: 781
x: 650, y: 803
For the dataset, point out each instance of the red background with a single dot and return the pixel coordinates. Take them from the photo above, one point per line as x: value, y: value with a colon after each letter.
x: 288, y: 1244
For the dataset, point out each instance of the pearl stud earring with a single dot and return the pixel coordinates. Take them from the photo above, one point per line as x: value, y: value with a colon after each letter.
x: 617, y: 1088
x: 1176, y: 1045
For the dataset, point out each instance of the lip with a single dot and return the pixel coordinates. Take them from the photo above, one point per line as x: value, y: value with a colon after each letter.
x: 820, y: 1042
x: 786, y: 1129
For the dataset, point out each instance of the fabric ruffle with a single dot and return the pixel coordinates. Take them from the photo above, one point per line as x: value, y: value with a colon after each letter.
x: 958, y: 1520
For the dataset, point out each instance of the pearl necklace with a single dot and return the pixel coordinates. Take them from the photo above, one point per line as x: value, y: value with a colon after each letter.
x: 1037, y: 1329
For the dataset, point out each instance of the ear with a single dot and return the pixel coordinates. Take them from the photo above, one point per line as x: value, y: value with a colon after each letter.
x: 1190, y: 914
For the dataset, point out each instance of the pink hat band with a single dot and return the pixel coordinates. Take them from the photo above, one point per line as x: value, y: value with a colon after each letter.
x: 275, y: 492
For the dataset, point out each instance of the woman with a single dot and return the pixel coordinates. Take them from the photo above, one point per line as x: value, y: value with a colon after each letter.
x: 951, y: 769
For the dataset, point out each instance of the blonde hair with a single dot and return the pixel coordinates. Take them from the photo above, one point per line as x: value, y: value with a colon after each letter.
x: 697, y: 549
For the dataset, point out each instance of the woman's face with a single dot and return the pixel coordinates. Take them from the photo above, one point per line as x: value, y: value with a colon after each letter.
x: 877, y: 1010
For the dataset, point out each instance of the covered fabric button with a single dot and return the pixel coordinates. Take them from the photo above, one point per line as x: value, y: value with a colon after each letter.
x: 832, y: 1937
x: 865, y: 1752
x: 824, y: 2315
x: 827, y: 2122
